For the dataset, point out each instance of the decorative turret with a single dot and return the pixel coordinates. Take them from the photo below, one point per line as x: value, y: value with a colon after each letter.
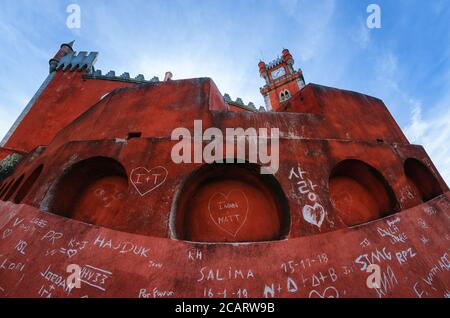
x: 263, y: 71
x: 66, y: 48
x: 287, y: 57
x: 168, y: 76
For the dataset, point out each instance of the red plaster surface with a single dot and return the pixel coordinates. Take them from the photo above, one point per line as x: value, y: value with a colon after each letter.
x: 274, y: 94
x: 232, y: 205
x: 116, y: 264
x: 5, y: 152
x: 142, y: 205
x: 66, y: 97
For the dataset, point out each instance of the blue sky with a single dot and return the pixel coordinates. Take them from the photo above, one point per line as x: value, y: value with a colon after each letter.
x: 406, y: 63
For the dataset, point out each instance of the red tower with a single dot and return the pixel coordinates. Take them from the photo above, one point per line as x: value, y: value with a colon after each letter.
x: 282, y: 80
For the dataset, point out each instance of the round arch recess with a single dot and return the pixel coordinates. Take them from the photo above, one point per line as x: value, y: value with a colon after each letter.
x: 359, y: 193
x: 421, y: 179
x: 230, y: 202
x: 92, y: 191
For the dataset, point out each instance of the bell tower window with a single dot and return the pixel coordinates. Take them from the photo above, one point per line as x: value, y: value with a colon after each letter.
x: 285, y: 95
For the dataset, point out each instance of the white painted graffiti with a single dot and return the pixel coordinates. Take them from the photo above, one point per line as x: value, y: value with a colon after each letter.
x: 393, y: 232
x: 122, y: 247
x: 229, y: 211
x: 313, y: 213
x: 145, y: 180
x: 329, y: 292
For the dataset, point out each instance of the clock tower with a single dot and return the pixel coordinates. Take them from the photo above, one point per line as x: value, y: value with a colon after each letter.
x: 282, y: 81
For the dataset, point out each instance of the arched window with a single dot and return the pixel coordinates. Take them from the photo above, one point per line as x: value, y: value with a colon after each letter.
x: 421, y: 180
x: 284, y: 95
x: 92, y: 191
x: 28, y: 184
x: 231, y: 203
x: 359, y: 193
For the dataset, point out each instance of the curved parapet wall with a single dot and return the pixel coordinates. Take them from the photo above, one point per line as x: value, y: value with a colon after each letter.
x: 411, y: 249
x: 140, y: 175
x: 349, y: 191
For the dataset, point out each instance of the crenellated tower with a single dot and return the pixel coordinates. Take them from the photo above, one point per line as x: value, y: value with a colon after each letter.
x: 282, y: 80
x: 65, y: 49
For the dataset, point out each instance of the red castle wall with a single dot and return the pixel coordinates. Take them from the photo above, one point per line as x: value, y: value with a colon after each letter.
x: 66, y: 97
x: 105, y: 194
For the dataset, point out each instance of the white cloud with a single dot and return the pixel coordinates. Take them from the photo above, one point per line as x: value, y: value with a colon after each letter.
x: 313, y: 19
x: 362, y: 35
x: 7, y: 117
x: 432, y: 130
x: 387, y: 66
x: 433, y: 133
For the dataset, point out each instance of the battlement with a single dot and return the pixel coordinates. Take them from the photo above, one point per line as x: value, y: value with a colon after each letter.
x: 125, y: 77
x: 275, y: 62
x: 240, y: 103
x: 78, y: 61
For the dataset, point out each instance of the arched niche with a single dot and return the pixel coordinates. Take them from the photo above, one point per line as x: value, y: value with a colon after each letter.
x: 421, y: 179
x: 28, y: 184
x: 13, y: 188
x: 231, y: 203
x: 92, y: 191
x: 5, y: 189
x: 359, y: 193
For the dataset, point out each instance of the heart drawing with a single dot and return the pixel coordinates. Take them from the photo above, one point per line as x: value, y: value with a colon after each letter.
x: 6, y: 233
x: 314, y: 214
x: 329, y: 292
x: 145, y: 181
x: 229, y: 212
x: 71, y: 253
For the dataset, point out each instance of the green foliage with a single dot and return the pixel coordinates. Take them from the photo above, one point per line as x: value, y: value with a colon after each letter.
x: 9, y: 164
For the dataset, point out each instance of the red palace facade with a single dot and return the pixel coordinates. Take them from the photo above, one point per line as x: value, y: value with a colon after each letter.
x: 91, y: 182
